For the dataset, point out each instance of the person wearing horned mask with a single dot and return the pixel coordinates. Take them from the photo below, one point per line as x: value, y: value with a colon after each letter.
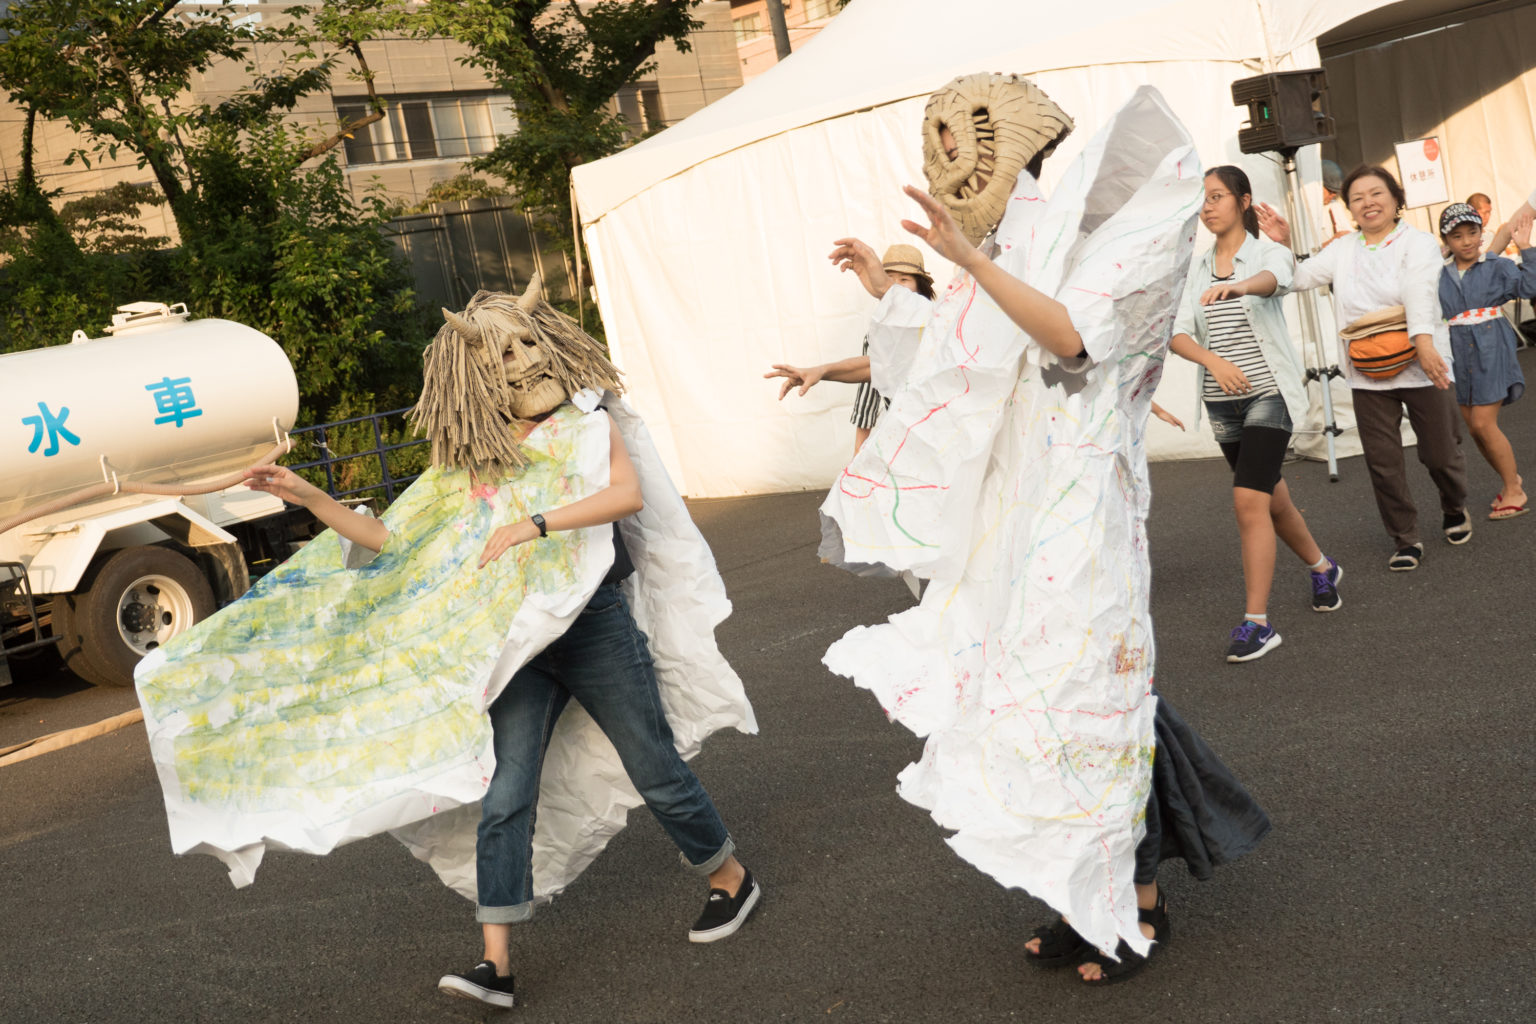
x: 1010, y: 470
x: 520, y: 649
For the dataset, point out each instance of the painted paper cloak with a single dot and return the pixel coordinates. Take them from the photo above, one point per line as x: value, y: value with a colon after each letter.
x: 342, y: 698
x: 1016, y: 483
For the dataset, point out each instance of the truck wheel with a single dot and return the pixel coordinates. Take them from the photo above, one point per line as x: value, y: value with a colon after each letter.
x: 135, y: 600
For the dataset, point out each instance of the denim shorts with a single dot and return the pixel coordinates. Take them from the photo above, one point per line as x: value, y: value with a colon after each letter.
x: 1253, y: 434
x: 1229, y: 418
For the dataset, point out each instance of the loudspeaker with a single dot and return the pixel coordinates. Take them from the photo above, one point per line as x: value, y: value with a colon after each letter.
x: 1286, y: 110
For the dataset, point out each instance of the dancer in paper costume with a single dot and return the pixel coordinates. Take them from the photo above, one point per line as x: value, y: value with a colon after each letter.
x: 425, y: 689
x: 1010, y: 471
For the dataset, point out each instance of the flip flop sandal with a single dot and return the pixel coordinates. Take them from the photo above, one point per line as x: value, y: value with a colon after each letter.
x: 1501, y: 512
x: 1060, y: 945
x: 1130, y: 963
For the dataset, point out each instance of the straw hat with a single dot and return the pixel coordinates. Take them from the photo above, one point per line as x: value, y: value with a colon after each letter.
x: 905, y: 259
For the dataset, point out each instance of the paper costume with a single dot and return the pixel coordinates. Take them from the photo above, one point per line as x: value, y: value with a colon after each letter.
x: 343, y: 697
x: 1016, y: 482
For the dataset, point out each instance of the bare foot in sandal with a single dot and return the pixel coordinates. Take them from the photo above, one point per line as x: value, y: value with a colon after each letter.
x: 1100, y: 970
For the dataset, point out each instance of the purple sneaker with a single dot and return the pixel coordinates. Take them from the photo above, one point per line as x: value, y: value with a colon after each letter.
x: 1251, y: 640
x: 1325, y: 588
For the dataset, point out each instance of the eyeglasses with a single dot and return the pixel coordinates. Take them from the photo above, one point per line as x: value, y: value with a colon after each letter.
x: 1214, y: 198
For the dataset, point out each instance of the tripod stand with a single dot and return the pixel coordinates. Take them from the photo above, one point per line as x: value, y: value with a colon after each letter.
x: 1320, y: 369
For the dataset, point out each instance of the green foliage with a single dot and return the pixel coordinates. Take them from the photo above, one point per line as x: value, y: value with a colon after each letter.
x: 466, y: 185
x: 561, y: 63
x: 270, y: 234
x: 108, y: 221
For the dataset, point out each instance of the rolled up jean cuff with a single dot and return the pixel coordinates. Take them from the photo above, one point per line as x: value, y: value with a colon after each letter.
x: 518, y: 913
x: 712, y: 865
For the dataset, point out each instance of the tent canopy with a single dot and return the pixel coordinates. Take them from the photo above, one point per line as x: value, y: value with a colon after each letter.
x: 871, y: 55
x: 709, y: 240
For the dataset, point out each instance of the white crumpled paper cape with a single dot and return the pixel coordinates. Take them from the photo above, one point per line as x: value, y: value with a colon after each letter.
x: 1016, y: 483
x: 334, y: 702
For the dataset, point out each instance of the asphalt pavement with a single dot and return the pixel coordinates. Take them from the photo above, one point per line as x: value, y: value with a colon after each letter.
x: 1391, y: 743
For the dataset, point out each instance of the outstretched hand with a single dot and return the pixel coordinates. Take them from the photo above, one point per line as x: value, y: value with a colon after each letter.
x: 283, y: 482
x: 802, y: 377
x: 852, y: 254
x: 942, y: 234
x: 1273, y: 225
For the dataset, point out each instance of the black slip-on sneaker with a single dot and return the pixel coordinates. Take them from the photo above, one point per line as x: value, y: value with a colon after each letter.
x: 479, y: 982
x: 723, y: 913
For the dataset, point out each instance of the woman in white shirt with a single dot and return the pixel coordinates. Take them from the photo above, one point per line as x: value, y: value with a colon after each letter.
x: 1231, y: 325
x: 1385, y: 264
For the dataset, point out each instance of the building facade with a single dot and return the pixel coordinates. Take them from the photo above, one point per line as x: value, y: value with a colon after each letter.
x: 440, y: 113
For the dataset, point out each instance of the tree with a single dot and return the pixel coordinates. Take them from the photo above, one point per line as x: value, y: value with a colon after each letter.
x: 270, y: 234
x: 561, y: 63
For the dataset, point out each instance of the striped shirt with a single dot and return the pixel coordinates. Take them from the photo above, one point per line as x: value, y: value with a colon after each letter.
x: 1232, y: 338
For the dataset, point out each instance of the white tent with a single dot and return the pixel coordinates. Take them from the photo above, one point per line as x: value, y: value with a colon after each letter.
x: 709, y: 240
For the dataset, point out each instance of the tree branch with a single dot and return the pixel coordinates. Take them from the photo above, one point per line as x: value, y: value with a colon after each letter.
x: 376, y: 107
x: 155, y: 15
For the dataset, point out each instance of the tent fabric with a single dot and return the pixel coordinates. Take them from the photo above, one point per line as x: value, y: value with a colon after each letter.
x: 709, y: 240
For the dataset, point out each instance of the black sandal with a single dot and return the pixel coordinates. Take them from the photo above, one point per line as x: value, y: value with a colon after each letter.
x: 1131, y: 963
x: 1060, y: 945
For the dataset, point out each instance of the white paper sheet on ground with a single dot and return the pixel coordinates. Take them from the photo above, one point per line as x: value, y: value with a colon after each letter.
x: 1016, y: 482
x: 325, y: 707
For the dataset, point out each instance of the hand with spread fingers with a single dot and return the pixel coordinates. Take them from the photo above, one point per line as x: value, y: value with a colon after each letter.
x: 1272, y: 224
x: 802, y: 377
x: 283, y: 482
x: 852, y: 254
x: 942, y: 234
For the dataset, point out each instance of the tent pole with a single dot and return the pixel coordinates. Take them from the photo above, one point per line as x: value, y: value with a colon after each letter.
x: 1321, y: 370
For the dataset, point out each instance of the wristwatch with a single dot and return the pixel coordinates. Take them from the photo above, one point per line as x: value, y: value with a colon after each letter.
x: 538, y: 521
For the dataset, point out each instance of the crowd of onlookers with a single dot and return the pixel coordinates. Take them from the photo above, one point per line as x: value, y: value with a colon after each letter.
x: 1422, y: 332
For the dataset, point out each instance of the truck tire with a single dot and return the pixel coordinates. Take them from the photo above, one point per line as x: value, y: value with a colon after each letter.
x: 132, y: 601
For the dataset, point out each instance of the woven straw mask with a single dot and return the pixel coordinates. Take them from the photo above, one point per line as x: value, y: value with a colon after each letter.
x: 504, y: 359
x: 1000, y: 122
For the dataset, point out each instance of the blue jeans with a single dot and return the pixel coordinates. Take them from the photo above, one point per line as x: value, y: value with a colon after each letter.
x: 603, y: 661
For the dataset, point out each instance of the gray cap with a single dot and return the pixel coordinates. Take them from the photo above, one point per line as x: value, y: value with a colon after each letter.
x: 1458, y: 213
x: 1333, y: 177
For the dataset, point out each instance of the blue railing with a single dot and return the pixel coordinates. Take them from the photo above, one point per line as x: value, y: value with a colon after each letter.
x: 390, y: 483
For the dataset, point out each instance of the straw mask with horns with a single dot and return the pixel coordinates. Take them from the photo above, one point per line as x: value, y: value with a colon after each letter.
x: 503, y: 360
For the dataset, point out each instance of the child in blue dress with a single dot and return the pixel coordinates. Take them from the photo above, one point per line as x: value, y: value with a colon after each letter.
x: 1483, y: 343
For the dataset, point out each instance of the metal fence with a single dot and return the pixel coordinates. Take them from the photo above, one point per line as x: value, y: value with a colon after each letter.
x: 329, y: 460
x: 470, y: 244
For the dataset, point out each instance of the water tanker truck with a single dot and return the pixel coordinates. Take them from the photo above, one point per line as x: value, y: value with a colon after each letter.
x: 162, y: 403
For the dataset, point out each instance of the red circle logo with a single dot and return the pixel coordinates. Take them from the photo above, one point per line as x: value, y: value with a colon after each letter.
x: 1431, y: 150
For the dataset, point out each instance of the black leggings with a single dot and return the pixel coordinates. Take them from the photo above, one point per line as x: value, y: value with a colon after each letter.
x: 1256, y: 458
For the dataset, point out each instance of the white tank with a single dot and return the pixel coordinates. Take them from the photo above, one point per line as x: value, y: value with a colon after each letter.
x: 164, y: 398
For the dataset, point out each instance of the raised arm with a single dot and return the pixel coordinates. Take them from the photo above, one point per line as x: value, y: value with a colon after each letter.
x: 288, y: 485
x: 619, y: 499
x: 1036, y: 313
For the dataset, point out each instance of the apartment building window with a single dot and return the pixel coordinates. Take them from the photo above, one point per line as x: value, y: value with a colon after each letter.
x: 817, y: 9
x: 426, y: 128
x: 748, y: 26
